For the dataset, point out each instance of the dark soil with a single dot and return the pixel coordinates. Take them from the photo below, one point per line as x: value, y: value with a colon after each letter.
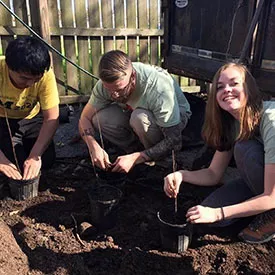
x: 47, y: 228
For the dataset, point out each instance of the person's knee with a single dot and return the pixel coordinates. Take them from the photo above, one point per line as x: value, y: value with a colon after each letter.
x: 139, y: 121
x: 49, y: 156
x: 248, y: 151
x: 101, y: 117
x: 249, y: 157
x: 240, y: 150
x: 112, y: 115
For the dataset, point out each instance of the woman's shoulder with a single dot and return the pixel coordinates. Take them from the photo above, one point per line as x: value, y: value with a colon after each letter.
x: 268, y: 111
x: 269, y: 105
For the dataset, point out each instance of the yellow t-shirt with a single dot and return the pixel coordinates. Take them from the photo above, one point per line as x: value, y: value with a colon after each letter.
x: 26, y: 103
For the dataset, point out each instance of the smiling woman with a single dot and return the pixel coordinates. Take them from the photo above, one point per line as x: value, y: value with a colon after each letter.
x: 237, y: 122
x: 231, y: 96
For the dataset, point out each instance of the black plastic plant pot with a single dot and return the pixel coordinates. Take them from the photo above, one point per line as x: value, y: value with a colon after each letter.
x: 175, y: 233
x: 114, y: 179
x: 24, y: 189
x: 103, y: 200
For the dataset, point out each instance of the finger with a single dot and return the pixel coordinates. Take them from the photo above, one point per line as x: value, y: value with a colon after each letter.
x: 167, y: 192
x: 27, y: 173
x: 193, y: 208
x: 17, y: 175
x: 33, y: 173
x: 13, y: 175
x: 100, y: 164
x: 107, y: 161
x: 191, y: 212
x: 193, y: 218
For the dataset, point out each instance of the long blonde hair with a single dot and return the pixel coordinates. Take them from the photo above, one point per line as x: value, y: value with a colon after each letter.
x: 219, y: 129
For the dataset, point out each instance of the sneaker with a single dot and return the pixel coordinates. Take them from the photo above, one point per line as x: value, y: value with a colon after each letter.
x: 261, y: 229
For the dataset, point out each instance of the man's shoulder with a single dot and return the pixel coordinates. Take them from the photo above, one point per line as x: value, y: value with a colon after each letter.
x: 268, y: 115
x: 151, y: 74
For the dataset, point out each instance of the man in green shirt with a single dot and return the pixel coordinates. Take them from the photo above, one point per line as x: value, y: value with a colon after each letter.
x: 139, y: 108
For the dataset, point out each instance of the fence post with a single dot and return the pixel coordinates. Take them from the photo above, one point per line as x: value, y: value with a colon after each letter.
x: 44, y: 20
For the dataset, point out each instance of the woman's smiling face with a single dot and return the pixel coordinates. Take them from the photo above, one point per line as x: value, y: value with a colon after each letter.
x: 230, y: 95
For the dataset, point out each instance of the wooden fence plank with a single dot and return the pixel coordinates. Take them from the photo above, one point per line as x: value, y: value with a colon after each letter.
x: 142, y: 22
x: 105, y: 32
x: 120, y: 24
x: 131, y: 23
x: 119, y: 13
x: 93, y: 14
x: 154, y: 51
x: 69, y: 45
x: 96, y: 53
x: 83, y: 46
x: 88, y: 32
x: 107, y: 20
x: 44, y: 20
x: 5, y: 22
x: 95, y: 42
x: 56, y: 43
x: 20, y: 10
x: 143, y: 50
x: 154, y: 24
x: 121, y: 44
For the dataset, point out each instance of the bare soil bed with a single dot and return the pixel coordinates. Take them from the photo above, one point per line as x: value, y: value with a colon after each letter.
x: 47, y: 230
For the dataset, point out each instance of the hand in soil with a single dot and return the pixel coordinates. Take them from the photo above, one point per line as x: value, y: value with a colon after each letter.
x: 202, y: 214
x: 9, y: 169
x: 32, y: 166
x: 124, y: 164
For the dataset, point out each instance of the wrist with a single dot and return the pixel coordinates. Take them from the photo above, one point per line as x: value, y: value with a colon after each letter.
x: 144, y: 156
x: 220, y: 214
x: 35, y: 157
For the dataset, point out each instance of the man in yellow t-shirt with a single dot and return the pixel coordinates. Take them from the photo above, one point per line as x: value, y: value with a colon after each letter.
x: 29, y: 107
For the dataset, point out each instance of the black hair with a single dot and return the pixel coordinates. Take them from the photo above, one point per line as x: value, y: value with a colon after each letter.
x: 28, y: 55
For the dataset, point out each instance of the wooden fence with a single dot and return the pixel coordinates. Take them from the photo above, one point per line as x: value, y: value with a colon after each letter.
x: 82, y: 30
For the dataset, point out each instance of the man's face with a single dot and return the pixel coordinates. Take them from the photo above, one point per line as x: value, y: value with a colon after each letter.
x: 121, y: 89
x: 22, y: 80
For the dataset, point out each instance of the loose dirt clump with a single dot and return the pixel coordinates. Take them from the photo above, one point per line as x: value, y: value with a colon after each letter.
x: 12, y: 259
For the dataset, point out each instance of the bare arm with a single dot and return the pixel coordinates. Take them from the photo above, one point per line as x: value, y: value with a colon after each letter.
x: 250, y: 207
x: 47, y: 131
x: 98, y: 156
x: 205, y: 177
x: 32, y: 164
